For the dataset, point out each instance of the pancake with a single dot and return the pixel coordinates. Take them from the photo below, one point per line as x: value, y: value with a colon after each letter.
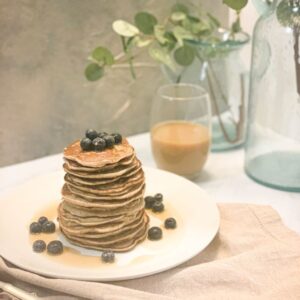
x: 132, y: 175
x: 97, y: 232
x: 98, y: 159
x: 122, y: 188
x: 74, y: 221
x: 122, y: 245
x: 116, y: 172
x: 139, y: 190
x: 73, y: 165
x: 100, y: 214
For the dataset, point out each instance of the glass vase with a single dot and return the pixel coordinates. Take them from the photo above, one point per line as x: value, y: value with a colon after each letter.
x: 273, y: 134
x: 219, y: 70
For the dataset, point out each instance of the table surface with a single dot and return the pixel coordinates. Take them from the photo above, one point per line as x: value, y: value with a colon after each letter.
x: 223, y: 178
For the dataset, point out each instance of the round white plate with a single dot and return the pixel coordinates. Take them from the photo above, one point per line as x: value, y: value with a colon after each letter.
x: 197, y: 216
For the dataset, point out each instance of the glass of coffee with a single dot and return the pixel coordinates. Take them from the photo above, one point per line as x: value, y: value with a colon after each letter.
x: 181, y: 128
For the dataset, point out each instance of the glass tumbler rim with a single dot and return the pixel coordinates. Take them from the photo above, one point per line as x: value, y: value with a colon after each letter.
x: 203, y: 93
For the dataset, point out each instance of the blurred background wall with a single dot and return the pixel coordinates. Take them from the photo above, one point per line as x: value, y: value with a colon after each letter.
x: 45, y: 99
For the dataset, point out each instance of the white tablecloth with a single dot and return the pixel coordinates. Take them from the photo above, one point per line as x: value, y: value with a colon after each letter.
x: 223, y: 178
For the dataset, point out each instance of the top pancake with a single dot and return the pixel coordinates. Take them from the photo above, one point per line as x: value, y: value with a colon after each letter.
x: 98, y: 159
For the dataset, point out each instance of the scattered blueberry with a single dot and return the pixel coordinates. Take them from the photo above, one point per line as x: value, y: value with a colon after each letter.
x: 149, y: 201
x: 99, y: 144
x: 108, y: 256
x: 86, y: 144
x: 42, y: 220
x: 170, y: 223
x: 35, y: 227
x: 39, y: 246
x: 158, y: 197
x: 117, y: 137
x: 48, y: 227
x: 91, y: 134
x: 102, y: 134
x: 158, y: 206
x: 154, y: 233
x: 55, y: 247
x: 109, y: 140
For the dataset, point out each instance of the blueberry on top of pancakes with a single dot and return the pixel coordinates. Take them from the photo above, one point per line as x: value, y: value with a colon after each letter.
x: 86, y: 144
x: 109, y: 140
x: 91, y: 134
x: 117, y: 137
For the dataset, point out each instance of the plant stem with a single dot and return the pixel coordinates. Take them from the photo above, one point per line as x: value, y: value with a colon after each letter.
x: 130, y: 57
x: 238, y: 125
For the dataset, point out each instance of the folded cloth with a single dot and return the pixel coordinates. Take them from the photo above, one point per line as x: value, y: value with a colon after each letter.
x: 6, y: 296
x: 254, y: 256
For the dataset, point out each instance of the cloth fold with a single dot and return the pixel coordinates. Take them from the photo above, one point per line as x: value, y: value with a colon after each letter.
x: 254, y: 256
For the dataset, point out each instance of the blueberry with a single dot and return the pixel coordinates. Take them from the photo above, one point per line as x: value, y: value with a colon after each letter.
x: 158, y: 206
x: 35, y: 227
x: 39, y: 246
x: 102, y: 134
x: 99, y: 144
x: 42, y: 220
x: 108, y: 256
x: 117, y: 137
x: 91, y: 134
x: 48, y: 227
x: 158, y: 197
x: 109, y: 140
x: 55, y: 247
x: 86, y: 144
x: 154, y: 233
x: 149, y: 201
x: 170, y: 223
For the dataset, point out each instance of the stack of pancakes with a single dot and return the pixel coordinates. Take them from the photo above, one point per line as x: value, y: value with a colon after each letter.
x: 102, y: 199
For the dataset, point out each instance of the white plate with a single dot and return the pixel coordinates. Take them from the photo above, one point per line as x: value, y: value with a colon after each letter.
x: 197, y: 216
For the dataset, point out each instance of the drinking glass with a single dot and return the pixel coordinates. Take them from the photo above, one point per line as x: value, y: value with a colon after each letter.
x: 181, y: 128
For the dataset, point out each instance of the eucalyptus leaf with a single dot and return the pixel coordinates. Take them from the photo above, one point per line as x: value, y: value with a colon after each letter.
x: 194, y: 19
x: 236, y: 4
x: 182, y: 34
x: 187, y: 24
x: 194, y: 25
x: 200, y: 28
x: 124, y: 28
x: 171, y: 40
x: 145, y: 22
x: 94, y: 72
x: 159, y: 33
x: 178, y: 16
x: 179, y: 7
x: 103, y: 55
x: 162, y: 56
x: 139, y: 42
x: 214, y: 21
x: 184, y: 55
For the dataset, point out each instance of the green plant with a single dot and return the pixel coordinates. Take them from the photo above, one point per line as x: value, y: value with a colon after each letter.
x: 168, y: 42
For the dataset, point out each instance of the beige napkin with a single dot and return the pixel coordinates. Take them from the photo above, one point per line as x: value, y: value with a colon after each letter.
x: 254, y: 256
